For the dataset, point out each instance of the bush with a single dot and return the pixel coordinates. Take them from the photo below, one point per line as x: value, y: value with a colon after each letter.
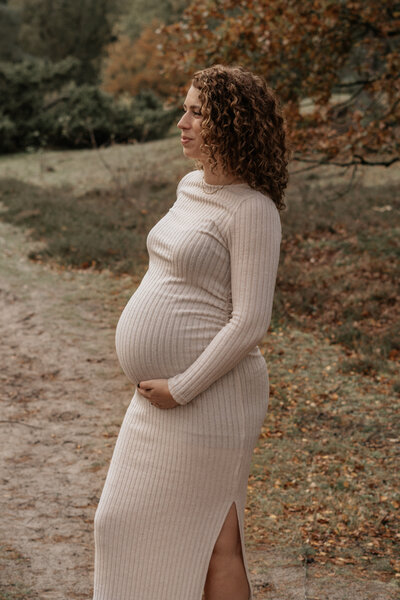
x: 150, y: 117
x: 89, y: 116
x: 24, y: 89
x: 40, y: 106
x: 7, y: 132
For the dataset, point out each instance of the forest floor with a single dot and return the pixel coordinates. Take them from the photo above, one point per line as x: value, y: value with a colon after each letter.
x: 320, y: 517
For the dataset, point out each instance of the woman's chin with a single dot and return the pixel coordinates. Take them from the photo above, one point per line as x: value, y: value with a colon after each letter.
x: 186, y: 152
x: 192, y: 154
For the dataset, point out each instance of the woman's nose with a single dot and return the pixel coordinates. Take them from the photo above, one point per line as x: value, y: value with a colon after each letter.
x: 183, y: 123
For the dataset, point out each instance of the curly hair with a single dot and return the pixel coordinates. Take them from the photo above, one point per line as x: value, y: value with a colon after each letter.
x: 243, y: 130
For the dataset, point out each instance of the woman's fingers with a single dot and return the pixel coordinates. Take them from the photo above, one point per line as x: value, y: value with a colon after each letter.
x: 143, y: 392
x: 157, y: 392
x: 142, y: 385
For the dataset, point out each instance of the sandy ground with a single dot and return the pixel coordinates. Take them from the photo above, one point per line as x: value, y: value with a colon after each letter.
x: 63, y: 397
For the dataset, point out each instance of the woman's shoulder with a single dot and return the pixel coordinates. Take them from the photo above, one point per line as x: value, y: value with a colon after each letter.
x: 193, y: 178
x: 255, y: 211
x: 252, y: 200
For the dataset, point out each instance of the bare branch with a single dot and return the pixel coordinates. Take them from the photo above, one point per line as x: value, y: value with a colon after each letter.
x: 349, y: 186
x: 382, y: 163
x: 105, y: 164
x: 54, y: 102
x: 353, y: 83
x: 360, y: 161
x: 310, y: 168
x: 347, y: 102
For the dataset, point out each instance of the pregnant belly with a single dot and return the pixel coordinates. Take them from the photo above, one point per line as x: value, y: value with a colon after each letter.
x: 157, y: 338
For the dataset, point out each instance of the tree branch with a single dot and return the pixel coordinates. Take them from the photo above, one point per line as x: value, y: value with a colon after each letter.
x: 54, y: 102
x: 340, y: 105
x: 353, y: 83
x: 360, y: 161
x: 310, y: 168
x: 347, y: 188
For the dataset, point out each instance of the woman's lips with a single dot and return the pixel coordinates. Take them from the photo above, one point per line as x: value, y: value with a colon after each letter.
x: 185, y: 140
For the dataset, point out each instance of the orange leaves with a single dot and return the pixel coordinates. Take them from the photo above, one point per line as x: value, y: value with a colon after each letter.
x: 307, y: 51
x: 133, y: 67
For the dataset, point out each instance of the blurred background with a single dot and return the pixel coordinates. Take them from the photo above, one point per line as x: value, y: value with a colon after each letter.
x: 90, y: 93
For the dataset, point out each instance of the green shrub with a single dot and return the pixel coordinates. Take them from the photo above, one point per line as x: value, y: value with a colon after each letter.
x: 24, y: 91
x: 89, y: 116
x: 7, y: 131
x: 40, y: 106
x: 149, y: 116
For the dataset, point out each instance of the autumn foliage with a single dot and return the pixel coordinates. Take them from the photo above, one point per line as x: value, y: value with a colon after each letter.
x: 335, y: 65
x: 134, y: 66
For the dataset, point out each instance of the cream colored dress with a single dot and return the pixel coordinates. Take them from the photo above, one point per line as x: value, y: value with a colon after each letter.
x: 196, y: 319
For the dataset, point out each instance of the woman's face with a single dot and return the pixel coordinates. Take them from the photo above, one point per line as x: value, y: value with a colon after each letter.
x: 190, y: 125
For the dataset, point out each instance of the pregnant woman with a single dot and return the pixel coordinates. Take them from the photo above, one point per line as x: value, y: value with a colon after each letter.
x: 170, y: 522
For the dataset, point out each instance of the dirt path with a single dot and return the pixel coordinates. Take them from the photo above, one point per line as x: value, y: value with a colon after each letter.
x: 63, y: 397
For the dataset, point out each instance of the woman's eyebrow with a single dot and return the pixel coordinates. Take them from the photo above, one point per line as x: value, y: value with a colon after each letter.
x: 192, y: 107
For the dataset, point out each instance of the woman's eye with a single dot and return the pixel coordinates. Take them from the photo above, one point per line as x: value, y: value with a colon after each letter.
x: 196, y: 113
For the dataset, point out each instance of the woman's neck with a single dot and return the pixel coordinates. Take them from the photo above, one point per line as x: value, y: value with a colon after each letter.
x: 218, y: 177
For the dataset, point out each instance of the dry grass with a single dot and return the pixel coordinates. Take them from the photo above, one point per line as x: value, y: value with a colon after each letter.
x: 324, y: 477
x: 340, y: 267
x: 115, y: 168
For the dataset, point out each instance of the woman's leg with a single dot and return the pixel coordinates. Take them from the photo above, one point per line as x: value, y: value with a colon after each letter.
x: 226, y: 577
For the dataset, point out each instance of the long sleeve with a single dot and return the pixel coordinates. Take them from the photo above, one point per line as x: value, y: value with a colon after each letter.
x: 253, y: 238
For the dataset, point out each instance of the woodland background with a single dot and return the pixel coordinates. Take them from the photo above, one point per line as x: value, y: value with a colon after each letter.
x: 90, y: 92
x: 78, y: 72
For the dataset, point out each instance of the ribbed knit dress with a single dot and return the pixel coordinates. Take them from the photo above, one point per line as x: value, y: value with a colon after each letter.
x: 202, y: 307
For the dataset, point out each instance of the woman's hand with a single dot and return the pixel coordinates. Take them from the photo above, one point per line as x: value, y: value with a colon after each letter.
x: 157, y: 392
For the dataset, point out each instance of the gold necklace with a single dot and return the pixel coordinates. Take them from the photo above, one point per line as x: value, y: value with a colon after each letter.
x: 204, y: 183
